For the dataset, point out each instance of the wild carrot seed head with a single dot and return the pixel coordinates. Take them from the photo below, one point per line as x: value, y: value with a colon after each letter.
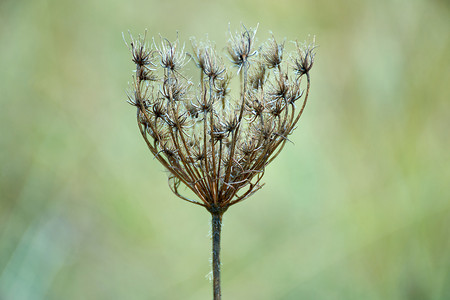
x: 215, y: 143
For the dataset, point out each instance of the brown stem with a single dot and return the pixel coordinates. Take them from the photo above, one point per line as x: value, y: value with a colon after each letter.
x: 216, y: 227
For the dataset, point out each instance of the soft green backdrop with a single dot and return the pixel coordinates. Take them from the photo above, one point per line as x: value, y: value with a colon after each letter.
x: 358, y: 208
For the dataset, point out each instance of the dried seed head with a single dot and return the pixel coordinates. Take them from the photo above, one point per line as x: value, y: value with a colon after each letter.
x: 174, y: 89
x: 266, y: 131
x: 170, y: 151
x: 192, y: 110
x: 215, y: 142
x: 213, y: 65
x: 283, y: 131
x: 273, y: 53
x: 305, y: 58
x: 295, y: 93
x: 276, y: 107
x: 138, y: 99
x: 198, y: 154
x: 172, y: 58
x: 221, y: 88
x: 159, y: 136
x: 280, y: 87
x: 140, y: 51
x: 159, y: 110
x: 203, y: 103
x: 248, y: 147
x: 231, y: 123
x: 145, y: 74
x: 258, y: 77
x: 132, y: 99
x: 199, y: 55
x: 240, y: 46
x: 177, y: 121
x: 218, y: 133
x: 255, y: 105
x: 206, y: 59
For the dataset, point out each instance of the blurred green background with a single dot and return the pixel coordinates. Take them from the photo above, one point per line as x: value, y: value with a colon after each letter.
x: 358, y: 208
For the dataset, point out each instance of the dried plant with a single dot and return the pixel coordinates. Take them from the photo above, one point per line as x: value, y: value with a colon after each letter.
x: 216, y: 145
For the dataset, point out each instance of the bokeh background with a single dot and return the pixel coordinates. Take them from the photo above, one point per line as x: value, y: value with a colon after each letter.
x: 357, y: 208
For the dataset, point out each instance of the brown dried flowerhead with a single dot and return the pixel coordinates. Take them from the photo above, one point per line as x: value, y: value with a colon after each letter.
x: 305, y: 58
x: 273, y: 54
x: 172, y: 57
x: 215, y: 143
x: 240, y: 46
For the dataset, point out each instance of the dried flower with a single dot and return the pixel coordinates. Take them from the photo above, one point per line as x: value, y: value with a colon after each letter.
x: 213, y: 144
x: 273, y: 54
x: 305, y: 59
x: 240, y: 46
x: 172, y: 58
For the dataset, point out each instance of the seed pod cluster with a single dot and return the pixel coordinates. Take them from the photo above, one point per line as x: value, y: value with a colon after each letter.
x: 215, y: 144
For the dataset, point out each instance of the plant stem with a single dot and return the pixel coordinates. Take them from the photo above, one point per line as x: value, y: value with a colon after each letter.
x: 216, y: 228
